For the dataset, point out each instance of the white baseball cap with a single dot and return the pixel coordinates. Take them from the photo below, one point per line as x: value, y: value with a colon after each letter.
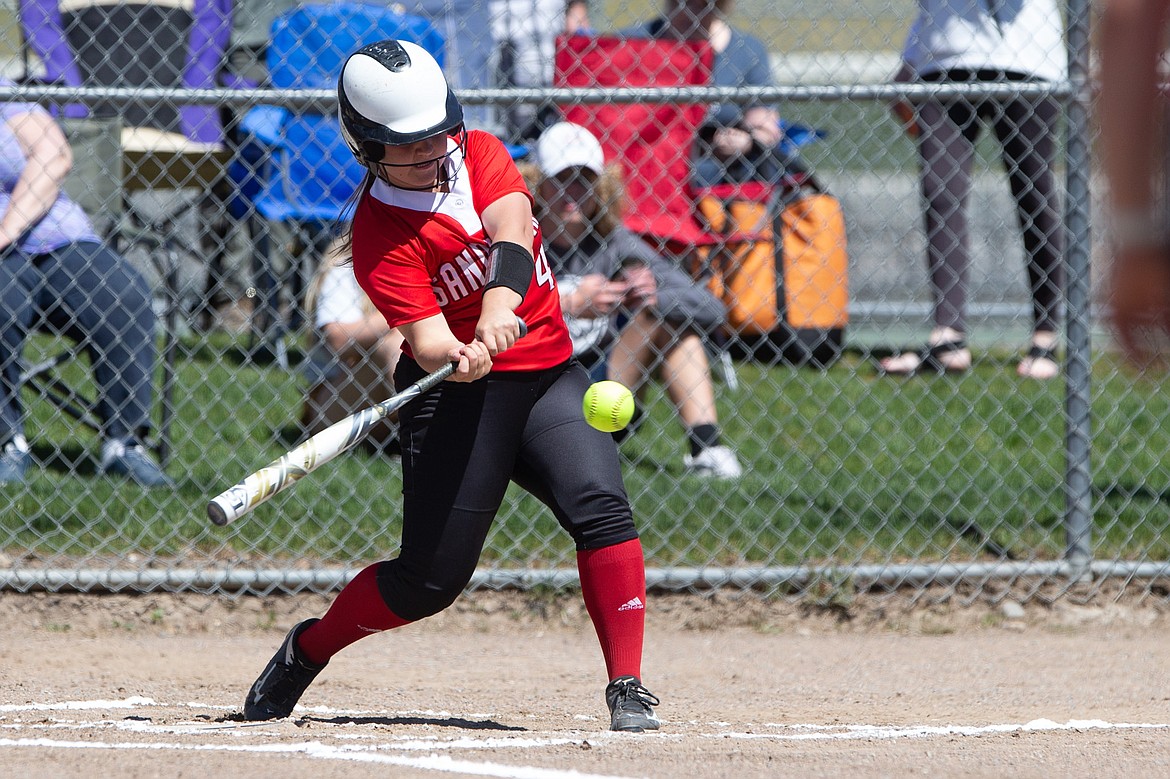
x: 566, y: 145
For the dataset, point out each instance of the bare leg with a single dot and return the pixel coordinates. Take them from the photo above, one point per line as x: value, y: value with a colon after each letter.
x: 686, y: 375
x: 635, y: 356
x: 356, y: 386
x: 647, y: 343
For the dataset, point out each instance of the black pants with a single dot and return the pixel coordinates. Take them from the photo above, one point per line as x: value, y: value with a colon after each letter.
x: 1026, y: 130
x: 461, y: 446
x: 91, y: 294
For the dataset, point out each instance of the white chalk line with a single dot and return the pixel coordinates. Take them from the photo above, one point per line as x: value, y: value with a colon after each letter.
x: 134, y: 701
x: 381, y: 752
x: 316, y: 749
x: 375, y: 753
x: 856, y: 732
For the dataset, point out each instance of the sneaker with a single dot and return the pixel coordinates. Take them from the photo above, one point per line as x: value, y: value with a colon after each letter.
x: 13, y: 462
x: 717, y: 462
x: 629, y: 705
x: 283, y: 682
x: 134, y: 463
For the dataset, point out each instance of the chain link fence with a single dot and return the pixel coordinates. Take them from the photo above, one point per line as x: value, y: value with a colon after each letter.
x: 980, y: 481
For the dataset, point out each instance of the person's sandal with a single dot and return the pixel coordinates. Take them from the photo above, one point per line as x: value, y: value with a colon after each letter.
x: 940, y: 358
x: 1039, y: 363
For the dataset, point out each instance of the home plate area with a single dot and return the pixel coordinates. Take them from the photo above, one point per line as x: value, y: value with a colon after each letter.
x: 465, y: 743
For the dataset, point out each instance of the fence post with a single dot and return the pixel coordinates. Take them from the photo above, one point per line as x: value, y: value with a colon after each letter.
x: 1078, y: 474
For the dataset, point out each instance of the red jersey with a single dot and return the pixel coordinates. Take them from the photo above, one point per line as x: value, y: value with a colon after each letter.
x: 417, y: 254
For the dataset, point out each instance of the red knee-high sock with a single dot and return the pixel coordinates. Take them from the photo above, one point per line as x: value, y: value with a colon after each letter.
x: 613, y: 583
x: 358, y: 611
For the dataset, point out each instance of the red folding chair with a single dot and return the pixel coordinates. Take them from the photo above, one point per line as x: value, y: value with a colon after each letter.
x: 651, y: 141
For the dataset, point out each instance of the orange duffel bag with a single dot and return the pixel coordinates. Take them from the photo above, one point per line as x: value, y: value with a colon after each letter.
x: 797, y: 315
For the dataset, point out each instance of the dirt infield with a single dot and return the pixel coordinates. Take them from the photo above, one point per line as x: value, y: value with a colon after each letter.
x: 510, y: 685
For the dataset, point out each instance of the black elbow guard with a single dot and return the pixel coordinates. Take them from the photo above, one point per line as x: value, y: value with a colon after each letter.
x: 509, y: 265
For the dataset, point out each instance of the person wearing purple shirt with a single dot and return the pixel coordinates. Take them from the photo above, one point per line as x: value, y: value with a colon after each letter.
x: 55, y: 269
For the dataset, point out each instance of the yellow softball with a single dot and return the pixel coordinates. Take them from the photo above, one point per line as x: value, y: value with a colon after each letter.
x: 608, y: 406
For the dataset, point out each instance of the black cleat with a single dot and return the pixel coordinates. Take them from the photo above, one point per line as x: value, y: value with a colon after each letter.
x: 630, y: 705
x: 284, y: 681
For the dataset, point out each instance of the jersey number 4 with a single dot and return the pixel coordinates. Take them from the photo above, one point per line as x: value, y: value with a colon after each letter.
x: 544, y: 274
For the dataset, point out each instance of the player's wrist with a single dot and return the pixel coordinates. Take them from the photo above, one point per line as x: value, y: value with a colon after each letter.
x: 500, y: 302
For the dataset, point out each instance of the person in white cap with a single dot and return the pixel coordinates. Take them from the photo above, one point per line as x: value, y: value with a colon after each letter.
x: 630, y: 312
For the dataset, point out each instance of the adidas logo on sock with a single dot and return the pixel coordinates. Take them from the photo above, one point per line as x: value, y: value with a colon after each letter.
x: 632, y: 605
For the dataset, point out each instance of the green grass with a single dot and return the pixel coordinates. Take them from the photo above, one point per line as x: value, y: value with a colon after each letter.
x: 842, y: 467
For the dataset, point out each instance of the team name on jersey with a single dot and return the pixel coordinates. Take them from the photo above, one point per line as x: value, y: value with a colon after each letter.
x: 466, y: 273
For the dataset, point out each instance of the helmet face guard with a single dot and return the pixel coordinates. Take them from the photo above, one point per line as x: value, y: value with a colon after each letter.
x: 444, y: 173
x: 393, y: 93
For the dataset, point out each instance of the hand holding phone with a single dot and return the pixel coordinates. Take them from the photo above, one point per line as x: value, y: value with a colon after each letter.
x: 627, y: 264
x: 642, y: 288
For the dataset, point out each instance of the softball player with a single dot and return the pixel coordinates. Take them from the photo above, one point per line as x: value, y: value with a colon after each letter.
x: 445, y: 244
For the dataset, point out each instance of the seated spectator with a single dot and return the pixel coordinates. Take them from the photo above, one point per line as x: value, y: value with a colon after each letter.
x: 623, y: 302
x: 53, y: 266
x: 354, y: 351
x: 737, y: 143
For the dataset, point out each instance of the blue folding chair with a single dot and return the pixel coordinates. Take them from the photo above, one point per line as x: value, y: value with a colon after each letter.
x: 295, y: 167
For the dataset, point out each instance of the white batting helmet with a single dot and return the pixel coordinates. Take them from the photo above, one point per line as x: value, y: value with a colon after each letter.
x: 393, y: 93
